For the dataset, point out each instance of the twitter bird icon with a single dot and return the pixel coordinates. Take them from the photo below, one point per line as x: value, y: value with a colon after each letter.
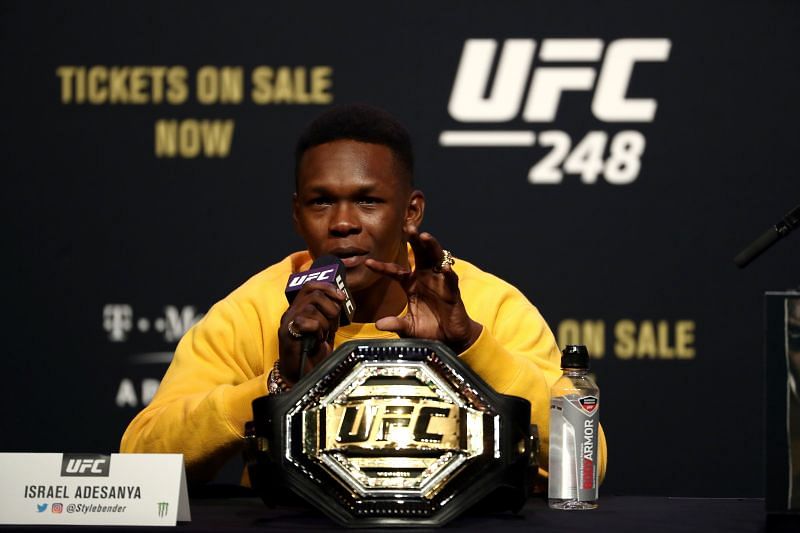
x: 41, y: 507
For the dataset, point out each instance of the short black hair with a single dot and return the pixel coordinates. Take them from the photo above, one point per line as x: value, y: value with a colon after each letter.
x: 358, y: 122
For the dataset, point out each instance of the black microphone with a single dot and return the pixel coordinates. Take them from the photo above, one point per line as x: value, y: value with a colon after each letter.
x: 768, y: 238
x: 328, y: 269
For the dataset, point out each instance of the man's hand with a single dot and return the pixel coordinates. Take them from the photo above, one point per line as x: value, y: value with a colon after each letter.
x: 435, y: 308
x: 315, y: 313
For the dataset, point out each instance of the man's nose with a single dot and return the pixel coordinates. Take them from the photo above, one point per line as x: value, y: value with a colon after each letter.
x: 345, y: 220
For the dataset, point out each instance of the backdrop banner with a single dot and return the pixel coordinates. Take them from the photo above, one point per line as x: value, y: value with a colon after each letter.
x: 607, y: 159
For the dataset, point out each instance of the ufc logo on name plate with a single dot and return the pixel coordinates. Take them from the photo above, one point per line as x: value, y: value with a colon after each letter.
x: 85, y: 465
x: 522, y: 87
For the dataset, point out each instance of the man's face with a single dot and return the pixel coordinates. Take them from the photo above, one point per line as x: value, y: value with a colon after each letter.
x: 353, y: 203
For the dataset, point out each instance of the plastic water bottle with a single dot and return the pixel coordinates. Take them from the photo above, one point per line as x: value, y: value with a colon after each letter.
x: 574, y: 429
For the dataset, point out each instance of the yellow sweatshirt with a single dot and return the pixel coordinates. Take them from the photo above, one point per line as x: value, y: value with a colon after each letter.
x: 220, y: 365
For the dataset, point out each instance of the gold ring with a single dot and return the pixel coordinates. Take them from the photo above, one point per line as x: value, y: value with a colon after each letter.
x: 447, y: 260
x: 292, y: 331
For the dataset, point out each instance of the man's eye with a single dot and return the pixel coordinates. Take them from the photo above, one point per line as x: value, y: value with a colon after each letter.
x: 322, y: 200
x: 369, y: 200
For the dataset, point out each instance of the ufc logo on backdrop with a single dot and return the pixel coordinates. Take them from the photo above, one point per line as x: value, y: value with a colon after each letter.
x: 507, y: 94
x: 498, y: 85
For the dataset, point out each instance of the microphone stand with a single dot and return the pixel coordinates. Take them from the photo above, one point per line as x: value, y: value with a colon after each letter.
x: 768, y: 238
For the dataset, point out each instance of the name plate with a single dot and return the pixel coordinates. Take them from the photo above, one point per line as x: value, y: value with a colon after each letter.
x: 89, y: 489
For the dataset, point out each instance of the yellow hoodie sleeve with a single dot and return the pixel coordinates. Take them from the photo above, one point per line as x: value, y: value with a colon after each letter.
x: 205, y: 397
x: 516, y: 352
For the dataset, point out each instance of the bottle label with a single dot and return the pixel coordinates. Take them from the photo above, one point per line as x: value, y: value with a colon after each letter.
x: 573, y: 447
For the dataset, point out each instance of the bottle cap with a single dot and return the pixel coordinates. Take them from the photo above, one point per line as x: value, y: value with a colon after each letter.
x: 575, y: 356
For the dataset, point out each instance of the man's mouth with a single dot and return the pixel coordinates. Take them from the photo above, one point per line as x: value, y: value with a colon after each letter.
x: 351, y: 257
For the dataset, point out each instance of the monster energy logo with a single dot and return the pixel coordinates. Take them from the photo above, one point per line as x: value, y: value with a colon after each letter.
x: 162, y: 509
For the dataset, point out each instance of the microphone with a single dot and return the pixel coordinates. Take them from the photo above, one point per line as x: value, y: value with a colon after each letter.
x: 328, y: 269
x: 768, y: 238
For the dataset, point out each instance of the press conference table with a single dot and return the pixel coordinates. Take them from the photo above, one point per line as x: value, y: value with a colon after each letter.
x: 616, y: 513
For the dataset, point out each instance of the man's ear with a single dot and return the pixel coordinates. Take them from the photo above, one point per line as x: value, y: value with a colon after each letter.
x: 415, y: 210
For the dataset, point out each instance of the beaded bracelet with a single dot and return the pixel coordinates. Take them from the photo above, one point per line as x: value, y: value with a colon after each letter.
x: 275, y: 383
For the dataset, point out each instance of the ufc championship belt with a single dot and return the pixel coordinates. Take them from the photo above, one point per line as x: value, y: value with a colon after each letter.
x: 393, y: 433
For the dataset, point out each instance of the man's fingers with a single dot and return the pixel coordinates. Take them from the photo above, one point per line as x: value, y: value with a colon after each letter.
x: 432, y: 247
x: 421, y: 259
x: 320, y: 296
x: 329, y: 308
x: 314, y: 313
x: 428, y: 252
x: 327, y: 289
x: 392, y: 270
x: 395, y: 325
x: 451, y: 280
x: 315, y: 326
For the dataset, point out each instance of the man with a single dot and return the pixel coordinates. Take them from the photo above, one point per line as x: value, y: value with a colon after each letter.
x: 354, y: 199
